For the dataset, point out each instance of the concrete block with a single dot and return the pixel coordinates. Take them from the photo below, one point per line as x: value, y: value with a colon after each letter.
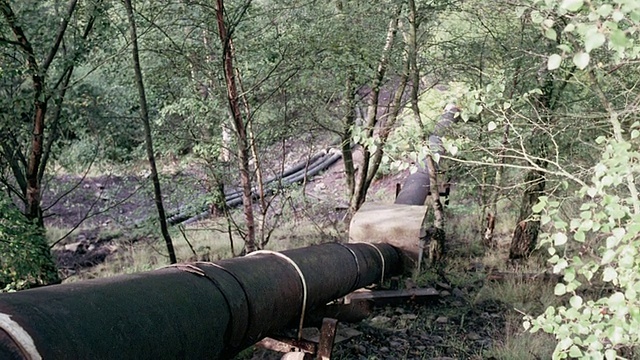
x: 394, y: 224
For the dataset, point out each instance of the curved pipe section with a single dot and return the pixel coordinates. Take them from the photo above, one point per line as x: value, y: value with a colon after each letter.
x: 416, y: 187
x: 186, y: 311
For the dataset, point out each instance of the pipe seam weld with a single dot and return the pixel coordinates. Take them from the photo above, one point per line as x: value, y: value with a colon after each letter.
x: 20, y: 337
x: 302, y: 279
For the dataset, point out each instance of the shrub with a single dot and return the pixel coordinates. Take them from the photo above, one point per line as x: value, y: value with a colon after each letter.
x: 25, y: 258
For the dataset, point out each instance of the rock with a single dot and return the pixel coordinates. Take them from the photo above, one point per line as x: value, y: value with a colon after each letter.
x: 73, y: 247
x: 473, y: 336
x: 380, y: 320
x: 359, y: 349
x: 432, y: 339
x: 442, y: 320
x: 444, y: 293
x: 457, y: 293
x: 384, y: 349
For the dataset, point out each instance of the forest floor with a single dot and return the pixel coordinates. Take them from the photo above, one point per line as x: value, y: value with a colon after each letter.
x: 473, y: 317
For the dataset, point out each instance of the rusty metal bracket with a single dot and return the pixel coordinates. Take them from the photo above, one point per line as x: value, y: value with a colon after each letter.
x: 327, y: 338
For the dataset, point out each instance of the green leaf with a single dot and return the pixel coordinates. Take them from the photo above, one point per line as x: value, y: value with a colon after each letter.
x: 607, y: 257
x: 565, y: 343
x: 538, y: 207
x: 581, y: 60
x: 572, y: 5
x: 617, y: 16
x: 554, y: 62
x: 605, y: 10
x: 492, y: 126
x: 609, y: 274
x: 559, y: 239
x: 560, y: 289
x: 576, y: 302
x: 536, y: 17
x: 610, y: 354
x: 616, y: 300
x: 593, y: 41
x: 575, y: 352
x: 550, y: 33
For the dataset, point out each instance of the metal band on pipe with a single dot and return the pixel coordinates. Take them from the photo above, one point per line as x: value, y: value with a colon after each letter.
x: 302, y: 279
x: 355, y: 258
x: 20, y: 337
x: 238, y: 328
x: 381, y: 259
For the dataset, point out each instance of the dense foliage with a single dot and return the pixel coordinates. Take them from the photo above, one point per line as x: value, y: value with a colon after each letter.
x: 26, y: 260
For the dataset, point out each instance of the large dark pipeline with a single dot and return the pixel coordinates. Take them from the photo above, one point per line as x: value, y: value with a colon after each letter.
x: 187, y: 311
x: 416, y: 187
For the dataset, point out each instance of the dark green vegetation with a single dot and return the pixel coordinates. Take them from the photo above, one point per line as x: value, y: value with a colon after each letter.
x: 227, y: 94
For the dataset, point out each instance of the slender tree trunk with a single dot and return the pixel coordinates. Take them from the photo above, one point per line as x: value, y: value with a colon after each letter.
x: 240, y: 129
x: 33, y: 209
x: 435, y: 236
x: 347, y: 133
x: 253, y: 146
x: 527, y: 228
x: 489, y: 230
x: 432, y: 235
x: 385, y: 131
x: 362, y: 182
x: 525, y: 234
x: 144, y: 115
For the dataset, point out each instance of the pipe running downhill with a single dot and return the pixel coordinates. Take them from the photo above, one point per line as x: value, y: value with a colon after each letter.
x: 186, y: 311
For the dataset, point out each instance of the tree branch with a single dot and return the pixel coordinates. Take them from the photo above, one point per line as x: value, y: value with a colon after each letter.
x: 62, y: 28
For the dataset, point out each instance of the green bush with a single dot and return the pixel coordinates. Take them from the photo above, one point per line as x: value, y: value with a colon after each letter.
x: 25, y: 258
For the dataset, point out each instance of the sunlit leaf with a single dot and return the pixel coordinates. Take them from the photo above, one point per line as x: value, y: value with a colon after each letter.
x: 554, y: 62
x: 550, y: 33
x: 593, y: 41
x: 581, y: 60
x: 572, y: 5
